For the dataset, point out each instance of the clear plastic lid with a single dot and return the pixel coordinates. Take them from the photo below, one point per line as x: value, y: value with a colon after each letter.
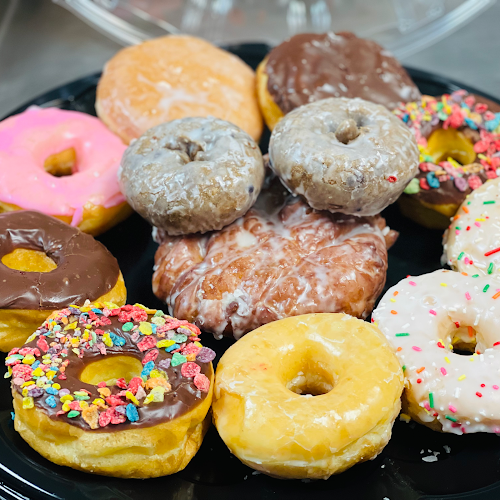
x: 402, y: 26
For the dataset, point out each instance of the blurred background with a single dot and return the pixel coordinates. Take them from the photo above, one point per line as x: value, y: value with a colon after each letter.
x: 44, y: 44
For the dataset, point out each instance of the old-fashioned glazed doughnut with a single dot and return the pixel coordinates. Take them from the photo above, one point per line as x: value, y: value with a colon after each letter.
x: 119, y: 391
x: 64, y: 164
x: 175, y: 77
x: 344, y: 155
x: 472, y: 242
x: 281, y: 259
x: 311, y: 66
x: 47, y: 265
x: 308, y: 397
x: 428, y: 319
x: 458, y: 136
x: 192, y: 175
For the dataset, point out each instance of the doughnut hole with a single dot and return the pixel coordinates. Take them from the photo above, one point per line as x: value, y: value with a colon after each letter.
x: 461, y: 340
x: 443, y: 144
x: 314, y: 381
x: 61, y: 164
x: 110, y: 369
x: 31, y: 261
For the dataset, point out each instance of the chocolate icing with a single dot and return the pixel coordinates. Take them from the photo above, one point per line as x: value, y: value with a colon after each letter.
x: 85, y: 268
x: 183, y: 397
x: 447, y: 193
x: 309, y: 67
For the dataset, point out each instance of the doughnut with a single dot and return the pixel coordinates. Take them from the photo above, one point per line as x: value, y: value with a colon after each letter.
x: 47, y: 265
x: 192, y: 175
x: 64, y: 164
x: 308, y: 397
x: 176, y: 77
x: 432, y: 320
x: 472, y: 242
x: 458, y: 137
x: 281, y: 259
x: 344, y: 155
x: 118, y: 391
x: 311, y: 66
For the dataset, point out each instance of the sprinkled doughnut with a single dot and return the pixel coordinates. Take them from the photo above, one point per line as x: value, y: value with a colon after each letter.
x: 472, y: 242
x: 426, y: 318
x: 458, y: 136
x: 192, y: 175
x: 119, y: 391
x: 344, y: 155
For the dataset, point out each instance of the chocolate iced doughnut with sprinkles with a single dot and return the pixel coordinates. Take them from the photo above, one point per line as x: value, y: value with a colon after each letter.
x: 192, y: 175
x: 119, y: 391
x: 344, y: 155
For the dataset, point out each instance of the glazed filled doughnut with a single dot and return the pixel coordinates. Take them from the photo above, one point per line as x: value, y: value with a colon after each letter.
x: 175, y: 77
x: 311, y: 66
x: 427, y: 318
x: 192, y: 175
x: 458, y: 136
x: 308, y: 397
x: 344, y: 155
x: 119, y: 391
x: 47, y: 265
x: 281, y: 259
x: 64, y: 164
x: 472, y: 242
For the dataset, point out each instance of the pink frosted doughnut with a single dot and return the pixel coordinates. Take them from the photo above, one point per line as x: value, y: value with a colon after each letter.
x: 90, y: 197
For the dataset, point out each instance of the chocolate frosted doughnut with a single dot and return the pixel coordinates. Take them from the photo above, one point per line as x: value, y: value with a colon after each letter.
x: 192, y: 175
x: 344, y: 155
x: 311, y: 66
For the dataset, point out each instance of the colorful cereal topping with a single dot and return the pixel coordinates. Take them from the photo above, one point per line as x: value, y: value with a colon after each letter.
x: 458, y: 110
x: 46, y: 370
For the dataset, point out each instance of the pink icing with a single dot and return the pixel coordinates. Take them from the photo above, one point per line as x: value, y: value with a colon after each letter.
x: 27, y: 139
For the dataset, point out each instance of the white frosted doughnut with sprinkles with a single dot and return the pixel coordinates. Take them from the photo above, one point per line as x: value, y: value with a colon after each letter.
x: 425, y: 318
x: 472, y: 242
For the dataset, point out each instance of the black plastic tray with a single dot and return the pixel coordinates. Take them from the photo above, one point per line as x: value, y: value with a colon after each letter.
x: 470, y: 470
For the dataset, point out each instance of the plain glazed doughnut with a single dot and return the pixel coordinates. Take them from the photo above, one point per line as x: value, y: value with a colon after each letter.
x: 175, y: 77
x: 192, y: 175
x: 64, y: 164
x: 344, y: 155
x: 472, y: 242
x: 312, y: 66
x: 100, y: 389
x: 47, y: 265
x: 425, y: 318
x: 308, y: 397
x: 281, y: 259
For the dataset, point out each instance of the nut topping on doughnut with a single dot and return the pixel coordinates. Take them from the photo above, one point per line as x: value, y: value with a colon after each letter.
x: 85, y: 268
x: 281, y: 259
x: 175, y: 376
x: 344, y: 155
x: 192, y: 175
x: 424, y: 318
x: 310, y: 66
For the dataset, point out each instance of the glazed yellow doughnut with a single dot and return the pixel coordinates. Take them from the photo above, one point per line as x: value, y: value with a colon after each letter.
x: 308, y: 396
x: 130, y: 408
x: 176, y: 77
x: 46, y: 265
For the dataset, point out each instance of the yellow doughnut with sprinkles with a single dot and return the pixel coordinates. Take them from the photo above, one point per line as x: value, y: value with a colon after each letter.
x: 119, y: 391
x: 458, y: 136
x: 432, y: 320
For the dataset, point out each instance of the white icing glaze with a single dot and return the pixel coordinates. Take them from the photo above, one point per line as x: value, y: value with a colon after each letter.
x: 281, y: 259
x: 474, y: 231
x: 192, y: 175
x: 428, y: 308
x: 362, y: 176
